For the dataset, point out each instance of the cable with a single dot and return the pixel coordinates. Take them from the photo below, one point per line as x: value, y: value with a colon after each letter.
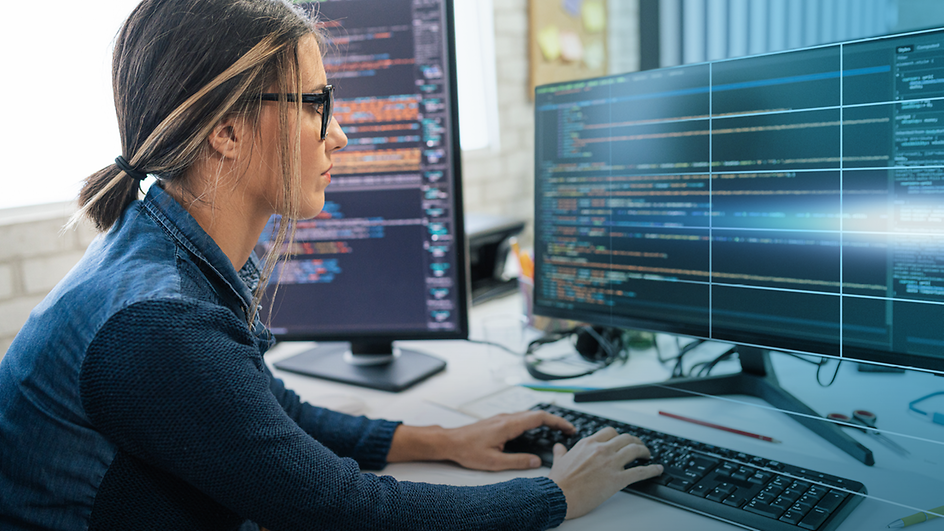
x: 611, y: 346
x: 820, y: 365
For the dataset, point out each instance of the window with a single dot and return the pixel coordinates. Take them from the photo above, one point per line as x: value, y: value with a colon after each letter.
x: 475, y: 54
x: 51, y: 144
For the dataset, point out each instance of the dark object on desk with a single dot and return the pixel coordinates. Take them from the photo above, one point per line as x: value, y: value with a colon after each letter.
x: 488, y: 251
x: 335, y: 362
x: 868, y: 367
x: 599, y: 345
x: 731, y: 486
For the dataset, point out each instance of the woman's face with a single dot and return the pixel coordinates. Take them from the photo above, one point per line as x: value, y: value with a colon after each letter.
x: 315, y: 153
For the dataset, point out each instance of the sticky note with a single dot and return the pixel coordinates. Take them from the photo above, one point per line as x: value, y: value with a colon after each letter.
x: 594, y: 16
x: 572, y: 7
x: 571, y: 48
x: 549, y: 42
x: 594, y: 55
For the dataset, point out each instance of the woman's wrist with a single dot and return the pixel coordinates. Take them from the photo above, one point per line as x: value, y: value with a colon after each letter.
x: 419, y: 443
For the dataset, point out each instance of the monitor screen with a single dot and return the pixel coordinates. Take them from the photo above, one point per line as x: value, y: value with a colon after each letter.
x: 790, y: 201
x: 385, y: 260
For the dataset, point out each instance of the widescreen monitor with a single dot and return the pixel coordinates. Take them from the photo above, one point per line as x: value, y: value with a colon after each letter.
x: 791, y: 201
x: 385, y: 260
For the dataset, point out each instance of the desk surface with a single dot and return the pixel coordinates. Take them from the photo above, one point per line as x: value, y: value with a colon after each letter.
x: 898, y: 486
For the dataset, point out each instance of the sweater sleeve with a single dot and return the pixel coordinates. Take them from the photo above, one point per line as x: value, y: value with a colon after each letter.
x: 364, y: 440
x: 181, y: 385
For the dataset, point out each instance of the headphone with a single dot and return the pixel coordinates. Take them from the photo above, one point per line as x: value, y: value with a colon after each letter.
x: 599, y: 345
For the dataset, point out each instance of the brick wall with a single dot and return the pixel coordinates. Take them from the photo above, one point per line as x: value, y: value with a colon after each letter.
x: 502, y: 181
x: 35, y: 253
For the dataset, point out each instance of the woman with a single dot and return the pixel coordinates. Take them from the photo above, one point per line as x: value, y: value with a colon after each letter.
x: 136, y: 395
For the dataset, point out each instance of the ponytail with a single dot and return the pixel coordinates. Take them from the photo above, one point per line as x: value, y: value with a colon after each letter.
x: 105, y: 195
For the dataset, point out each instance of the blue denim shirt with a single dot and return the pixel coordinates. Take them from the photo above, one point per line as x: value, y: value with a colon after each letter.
x: 136, y: 397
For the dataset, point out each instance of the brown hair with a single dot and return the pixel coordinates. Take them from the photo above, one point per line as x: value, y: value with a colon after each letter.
x: 179, y: 67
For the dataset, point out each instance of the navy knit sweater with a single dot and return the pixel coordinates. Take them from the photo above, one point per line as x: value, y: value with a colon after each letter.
x: 136, y: 397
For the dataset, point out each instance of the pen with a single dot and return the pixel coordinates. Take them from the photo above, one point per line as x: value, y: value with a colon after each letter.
x: 557, y: 388
x: 720, y: 427
x: 917, y: 518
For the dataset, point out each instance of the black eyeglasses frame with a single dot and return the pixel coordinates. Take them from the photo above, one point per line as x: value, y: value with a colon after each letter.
x: 325, y: 98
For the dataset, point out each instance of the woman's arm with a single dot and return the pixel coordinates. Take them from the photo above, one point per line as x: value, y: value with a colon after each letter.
x: 181, y: 387
x: 479, y: 446
x: 367, y: 441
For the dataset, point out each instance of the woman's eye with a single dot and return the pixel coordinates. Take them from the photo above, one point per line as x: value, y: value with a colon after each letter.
x: 317, y: 107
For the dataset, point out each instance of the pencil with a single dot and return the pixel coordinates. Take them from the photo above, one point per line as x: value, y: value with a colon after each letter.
x: 720, y: 427
x: 550, y: 388
x: 917, y: 518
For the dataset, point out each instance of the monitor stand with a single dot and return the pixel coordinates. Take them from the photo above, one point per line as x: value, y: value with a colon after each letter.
x: 374, y: 364
x: 755, y: 379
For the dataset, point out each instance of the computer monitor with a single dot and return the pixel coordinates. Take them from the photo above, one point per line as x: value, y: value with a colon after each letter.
x: 792, y: 201
x: 385, y: 260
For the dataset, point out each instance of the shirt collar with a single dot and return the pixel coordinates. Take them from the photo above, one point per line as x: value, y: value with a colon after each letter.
x: 190, y: 235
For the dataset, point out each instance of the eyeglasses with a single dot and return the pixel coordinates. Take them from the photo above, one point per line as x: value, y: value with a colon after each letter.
x: 323, y: 102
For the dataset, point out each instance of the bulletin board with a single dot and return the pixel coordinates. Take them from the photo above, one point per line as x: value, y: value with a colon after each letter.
x: 567, y: 40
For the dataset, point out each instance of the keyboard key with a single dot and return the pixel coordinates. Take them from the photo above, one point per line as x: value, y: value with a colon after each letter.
x: 800, y: 486
x: 791, y: 494
x: 735, y: 500
x: 773, y: 490
x: 791, y: 517
x: 765, y: 497
x: 763, y: 509
x: 760, y: 478
x: 831, y: 501
x: 781, y: 503
x: 726, y: 469
x: 680, y: 484
x: 717, y: 495
x: 806, y: 499
x: 801, y: 507
x: 701, y: 490
x: 815, y: 519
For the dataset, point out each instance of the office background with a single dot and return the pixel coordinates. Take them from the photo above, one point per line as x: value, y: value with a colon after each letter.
x: 498, y: 177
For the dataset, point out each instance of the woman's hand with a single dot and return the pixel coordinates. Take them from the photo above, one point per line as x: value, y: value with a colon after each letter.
x: 478, y: 446
x: 594, y: 469
x: 481, y: 445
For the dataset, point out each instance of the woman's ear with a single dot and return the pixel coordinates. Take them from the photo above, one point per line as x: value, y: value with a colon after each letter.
x: 227, y: 136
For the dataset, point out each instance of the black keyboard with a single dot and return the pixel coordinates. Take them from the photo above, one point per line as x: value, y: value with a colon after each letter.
x: 738, y: 488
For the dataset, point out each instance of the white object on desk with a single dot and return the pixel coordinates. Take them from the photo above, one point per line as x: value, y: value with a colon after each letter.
x: 340, y: 402
x: 508, y: 400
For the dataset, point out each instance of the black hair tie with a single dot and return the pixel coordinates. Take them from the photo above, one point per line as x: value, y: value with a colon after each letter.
x: 131, y: 172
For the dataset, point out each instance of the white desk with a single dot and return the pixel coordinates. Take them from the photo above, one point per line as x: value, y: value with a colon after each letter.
x: 896, y: 484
